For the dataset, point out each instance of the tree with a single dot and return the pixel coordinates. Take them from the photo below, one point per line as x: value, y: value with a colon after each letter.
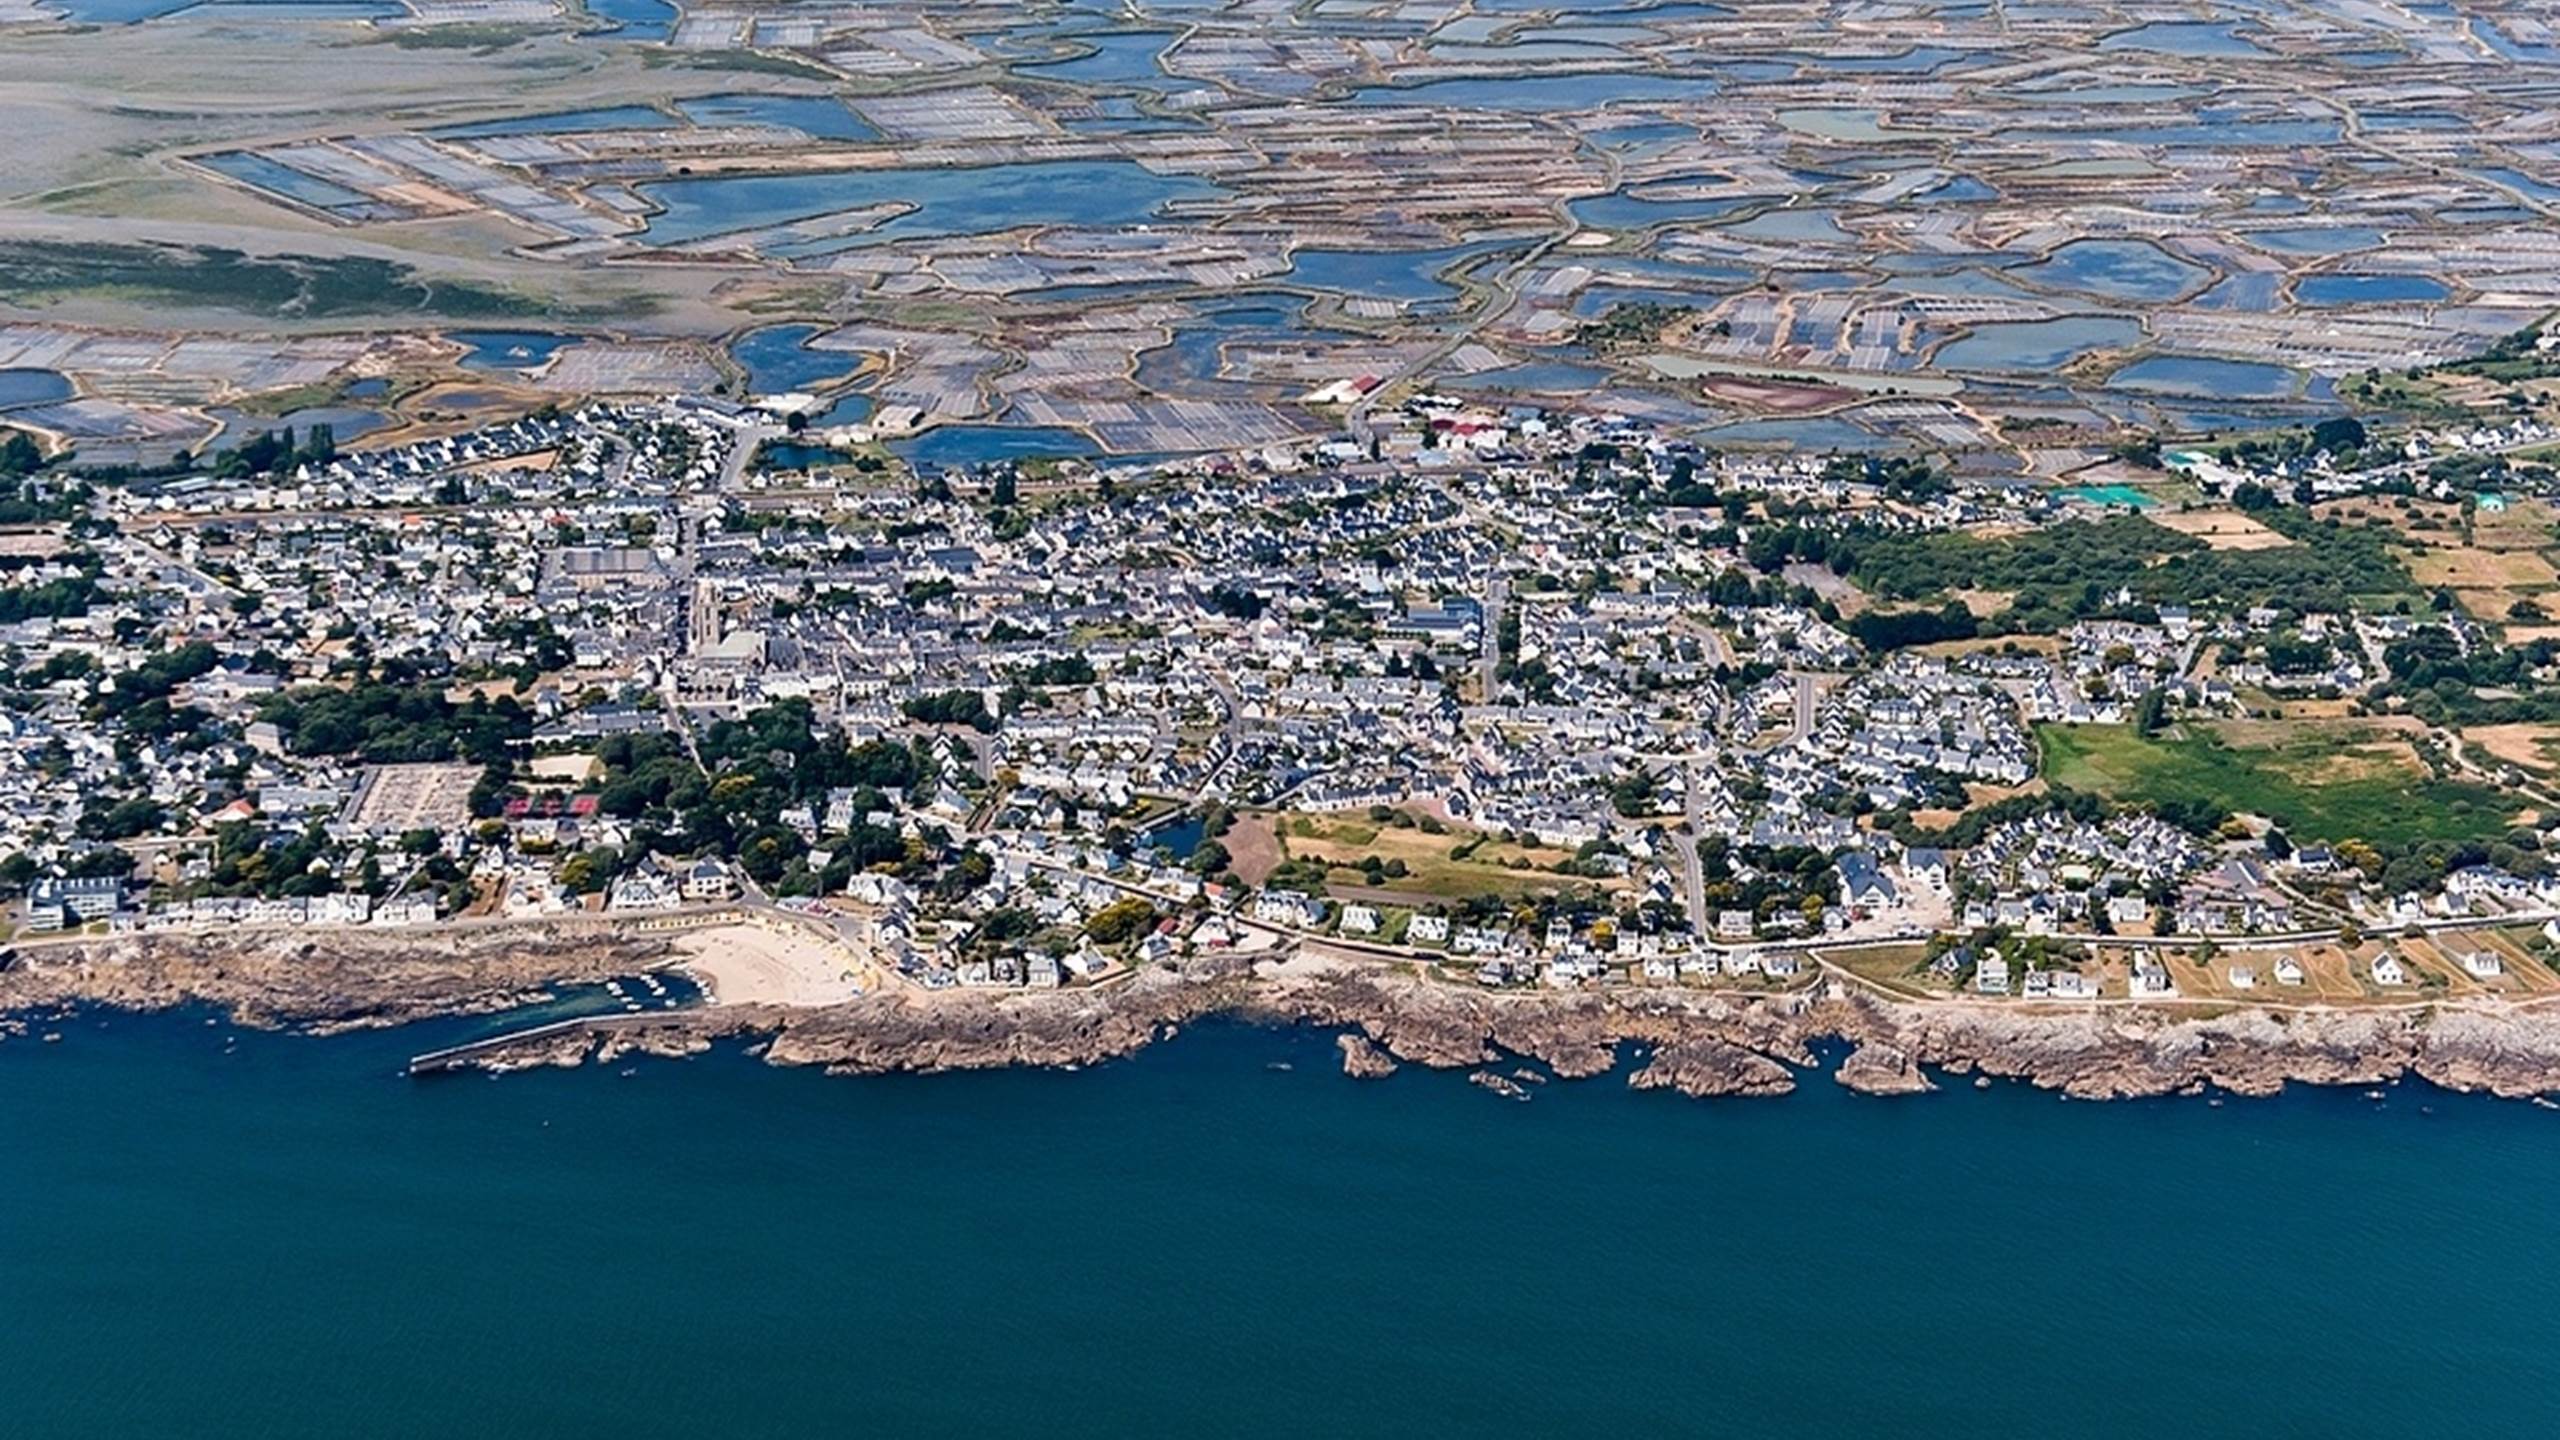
x: 952, y: 707
x: 19, y: 455
x: 580, y: 875
x: 2339, y: 432
x: 2140, y: 450
x: 1120, y: 921
x: 1210, y: 857
x: 2147, y: 713
x: 1633, y: 794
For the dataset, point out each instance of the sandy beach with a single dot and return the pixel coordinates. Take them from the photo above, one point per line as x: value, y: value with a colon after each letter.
x: 761, y: 965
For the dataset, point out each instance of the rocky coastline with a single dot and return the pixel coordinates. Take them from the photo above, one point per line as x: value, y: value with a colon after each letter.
x: 1693, y: 1042
x: 329, y: 980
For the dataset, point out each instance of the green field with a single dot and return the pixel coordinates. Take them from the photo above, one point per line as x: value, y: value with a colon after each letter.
x: 2319, y: 783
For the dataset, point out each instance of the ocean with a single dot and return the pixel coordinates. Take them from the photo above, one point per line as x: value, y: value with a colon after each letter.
x: 214, y: 1233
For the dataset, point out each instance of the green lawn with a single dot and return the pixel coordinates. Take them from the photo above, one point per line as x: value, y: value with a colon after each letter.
x: 2317, y: 785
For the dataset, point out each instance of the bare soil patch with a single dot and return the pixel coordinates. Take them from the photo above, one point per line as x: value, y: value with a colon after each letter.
x: 1775, y: 397
x: 1253, y: 848
x: 2221, y: 529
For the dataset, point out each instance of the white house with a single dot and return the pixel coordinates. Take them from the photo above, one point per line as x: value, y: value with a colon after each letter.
x: 2072, y: 985
x: 1991, y: 976
x: 641, y: 890
x: 708, y: 879
x: 1287, y: 907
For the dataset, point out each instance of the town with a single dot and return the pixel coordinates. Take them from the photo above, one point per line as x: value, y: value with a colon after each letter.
x: 1519, y: 696
x: 914, y: 497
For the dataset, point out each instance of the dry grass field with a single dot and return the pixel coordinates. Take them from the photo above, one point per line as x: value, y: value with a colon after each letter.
x: 2529, y: 747
x: 1982, y: 644
x: 1976, y: 796
x: 2494, y: 559
x: 2221, y: 529
x: 2471, y: 567
x: 1898, y: 968
x: 1449, y: 866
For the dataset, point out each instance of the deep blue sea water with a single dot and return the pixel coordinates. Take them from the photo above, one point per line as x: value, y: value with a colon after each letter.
x: 289, y: 1240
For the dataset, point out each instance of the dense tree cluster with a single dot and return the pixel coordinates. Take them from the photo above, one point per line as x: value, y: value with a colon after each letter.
x: 952, y: 707
x: 2073, y: 570
x: 751, y: 771
x: 385, y: 722
x: 271, y: 451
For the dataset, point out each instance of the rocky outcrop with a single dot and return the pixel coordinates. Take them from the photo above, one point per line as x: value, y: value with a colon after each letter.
x: 1362, y: 1060
x: 1700, y: 1068
x: 880, y: 1034
x: 343, y: 979
x: 565, y: 1052
x: 2502, y: 1052
x: 665, y: 1044
x: 1875, y: 1068
x: 2118, y: 1052
x: 1424, y: 1025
